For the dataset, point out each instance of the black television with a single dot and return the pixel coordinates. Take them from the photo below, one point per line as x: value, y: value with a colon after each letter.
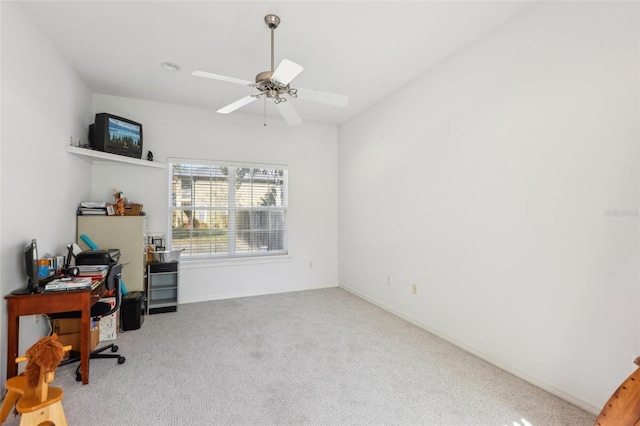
x: 31, y: 266
x: 116, y: 135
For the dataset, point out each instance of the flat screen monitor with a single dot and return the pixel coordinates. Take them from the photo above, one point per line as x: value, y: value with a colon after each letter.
x: 31, y: 267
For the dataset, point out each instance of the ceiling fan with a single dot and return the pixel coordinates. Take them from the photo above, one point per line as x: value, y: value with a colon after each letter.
x: 275, y: 84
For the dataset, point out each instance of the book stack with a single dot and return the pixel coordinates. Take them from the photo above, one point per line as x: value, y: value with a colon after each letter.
x: 62, y: 284
x: 95, y: 272
x: 90, y: 208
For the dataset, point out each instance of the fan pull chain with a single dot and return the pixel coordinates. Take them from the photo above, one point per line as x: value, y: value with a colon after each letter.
x: 265, y: 112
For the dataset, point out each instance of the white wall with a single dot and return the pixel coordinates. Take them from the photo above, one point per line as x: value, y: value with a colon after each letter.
x: 490, y: 183
x: 309, y: 151
x: 44, y: 103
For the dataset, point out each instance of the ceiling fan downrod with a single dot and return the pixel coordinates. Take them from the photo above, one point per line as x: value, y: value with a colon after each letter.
x: 272, y: 22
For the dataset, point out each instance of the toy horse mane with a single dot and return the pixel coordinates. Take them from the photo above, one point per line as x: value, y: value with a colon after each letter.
x: 45, y: 354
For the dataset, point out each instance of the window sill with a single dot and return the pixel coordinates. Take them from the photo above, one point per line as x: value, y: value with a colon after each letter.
x: 233, y: 261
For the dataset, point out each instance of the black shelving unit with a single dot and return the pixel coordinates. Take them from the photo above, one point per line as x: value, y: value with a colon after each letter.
x: 162, y: 287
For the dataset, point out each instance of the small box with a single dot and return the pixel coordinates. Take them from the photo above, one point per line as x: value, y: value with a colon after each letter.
x: 59, y: 261
x: 109, y: 327
x: 73, y: 339
x: 109, y: 324
x: 66, y: 325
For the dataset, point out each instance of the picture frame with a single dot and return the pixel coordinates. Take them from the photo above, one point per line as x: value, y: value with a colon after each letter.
x: 110, y: 210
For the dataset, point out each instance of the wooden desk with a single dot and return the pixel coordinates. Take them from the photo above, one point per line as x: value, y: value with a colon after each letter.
x: 51, y: 303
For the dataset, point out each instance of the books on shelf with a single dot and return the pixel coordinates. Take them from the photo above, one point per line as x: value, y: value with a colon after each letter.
x: 76, y: 283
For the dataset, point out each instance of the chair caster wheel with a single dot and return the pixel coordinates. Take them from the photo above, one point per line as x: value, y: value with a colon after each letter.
x: 121, y: 360
x: 78, y: 377
x: 114, y: 348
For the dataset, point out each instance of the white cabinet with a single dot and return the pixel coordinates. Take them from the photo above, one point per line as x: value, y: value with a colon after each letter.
x: 126, y: 233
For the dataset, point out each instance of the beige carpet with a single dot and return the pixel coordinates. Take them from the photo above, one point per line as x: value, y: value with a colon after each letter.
x: 322, y: 357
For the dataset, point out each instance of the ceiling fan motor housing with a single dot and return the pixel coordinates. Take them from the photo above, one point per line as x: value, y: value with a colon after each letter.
x: 264, y: 76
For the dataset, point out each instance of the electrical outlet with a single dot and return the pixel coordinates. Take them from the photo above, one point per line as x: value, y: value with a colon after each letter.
x: 414, y: 288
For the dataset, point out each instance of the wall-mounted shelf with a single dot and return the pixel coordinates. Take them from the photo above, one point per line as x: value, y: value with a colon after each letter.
x: 94, y: 156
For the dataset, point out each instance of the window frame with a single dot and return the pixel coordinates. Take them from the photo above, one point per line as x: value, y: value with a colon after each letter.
x: 231, y: 208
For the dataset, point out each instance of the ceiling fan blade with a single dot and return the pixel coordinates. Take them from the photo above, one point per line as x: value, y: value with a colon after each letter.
x: 237, y: 105
x: 221, y: 78
x: 289, y: 113
x: 323, y: 97
x: 286, y: 71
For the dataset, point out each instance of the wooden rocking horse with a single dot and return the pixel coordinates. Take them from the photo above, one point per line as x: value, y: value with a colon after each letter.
x: 623, y: 408
x: 30, y: 392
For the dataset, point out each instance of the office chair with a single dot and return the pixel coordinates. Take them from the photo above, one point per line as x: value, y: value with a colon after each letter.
x: 98, y: 311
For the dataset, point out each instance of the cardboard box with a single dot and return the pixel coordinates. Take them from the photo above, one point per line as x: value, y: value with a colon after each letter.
x: 66, y: 325
x: 73, y: 339
x: 109, y: 324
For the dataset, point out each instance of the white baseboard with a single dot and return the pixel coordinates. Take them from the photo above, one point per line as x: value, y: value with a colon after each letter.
x: 533, y: 380
x: 239, y: 294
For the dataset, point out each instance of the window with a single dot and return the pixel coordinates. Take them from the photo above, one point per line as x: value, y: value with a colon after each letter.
x: 225, y: 210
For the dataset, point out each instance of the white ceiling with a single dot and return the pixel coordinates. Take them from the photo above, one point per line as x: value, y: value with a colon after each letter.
x: 362, y: 49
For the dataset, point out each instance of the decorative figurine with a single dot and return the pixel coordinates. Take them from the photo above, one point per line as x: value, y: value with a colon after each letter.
x: 120, y: 200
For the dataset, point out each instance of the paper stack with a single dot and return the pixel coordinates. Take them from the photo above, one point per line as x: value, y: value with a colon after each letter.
x: 89, y: 208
